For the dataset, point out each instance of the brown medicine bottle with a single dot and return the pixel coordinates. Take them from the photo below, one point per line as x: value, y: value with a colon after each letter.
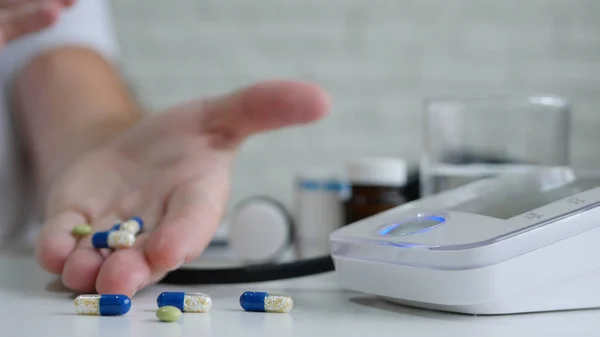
x: 375, y: 186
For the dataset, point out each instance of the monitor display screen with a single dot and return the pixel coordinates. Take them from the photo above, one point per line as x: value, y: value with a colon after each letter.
x: 518, y: 199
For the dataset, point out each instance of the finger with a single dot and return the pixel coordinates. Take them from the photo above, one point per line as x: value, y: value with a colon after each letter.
x: 26, y: 19
x: 81, y: 269
x: 262, y: 107
x: 83, y: 264
x: 55, y: 242
x: 124, y: 271
x: 128, y: 271
x: 68, y: 3
x: 192, y: 216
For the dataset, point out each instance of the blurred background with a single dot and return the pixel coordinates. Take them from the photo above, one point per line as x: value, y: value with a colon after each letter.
x: 378, y: 59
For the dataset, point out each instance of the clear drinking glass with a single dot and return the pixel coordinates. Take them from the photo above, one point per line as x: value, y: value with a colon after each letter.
x: 470, y: 138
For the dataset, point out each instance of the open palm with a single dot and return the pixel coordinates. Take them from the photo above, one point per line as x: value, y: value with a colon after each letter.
x: 173, y: 170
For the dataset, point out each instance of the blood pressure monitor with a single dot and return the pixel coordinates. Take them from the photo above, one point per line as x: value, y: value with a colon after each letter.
x: 508, y: 244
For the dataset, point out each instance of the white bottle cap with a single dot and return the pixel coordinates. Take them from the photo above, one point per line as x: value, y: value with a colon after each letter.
x: 378, y: 171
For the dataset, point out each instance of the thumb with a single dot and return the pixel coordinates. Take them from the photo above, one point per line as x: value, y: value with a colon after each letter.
x: 262, y: 107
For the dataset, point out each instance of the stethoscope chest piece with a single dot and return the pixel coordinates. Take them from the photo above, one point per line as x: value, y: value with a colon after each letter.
x: 259, y: 230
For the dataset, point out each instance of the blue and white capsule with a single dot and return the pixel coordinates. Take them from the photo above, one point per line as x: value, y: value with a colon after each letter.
x: 116, y: 226
x: 102, y: 305
x: 265, y: 302
x: 186, y: 302
x: 113, y: 239
x: 133, y: 225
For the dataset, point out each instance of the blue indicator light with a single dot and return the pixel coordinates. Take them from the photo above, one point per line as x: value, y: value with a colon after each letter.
x: 412, y: 226
x: 388, y: 229
x: 436, y: 218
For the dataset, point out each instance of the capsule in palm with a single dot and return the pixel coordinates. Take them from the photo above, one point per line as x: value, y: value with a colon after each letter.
x: 113, y: 239
x: 133, y: 225
x: 102, y: 305
x: 265, y: 302
x: 186, y: 302
x: 116, y: 227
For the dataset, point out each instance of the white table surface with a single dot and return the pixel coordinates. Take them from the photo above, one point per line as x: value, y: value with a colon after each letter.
x: 32, y: 303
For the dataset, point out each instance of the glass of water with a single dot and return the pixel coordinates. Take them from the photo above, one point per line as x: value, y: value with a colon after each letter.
x: 470, y: 138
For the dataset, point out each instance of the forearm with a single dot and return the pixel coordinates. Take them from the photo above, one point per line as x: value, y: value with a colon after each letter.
x: 68, y: 101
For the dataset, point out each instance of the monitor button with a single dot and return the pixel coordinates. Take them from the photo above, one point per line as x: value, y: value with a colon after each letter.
x: 412, y: 226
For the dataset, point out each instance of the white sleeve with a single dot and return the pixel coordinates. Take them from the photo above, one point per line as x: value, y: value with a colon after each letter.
x: 87, y: 23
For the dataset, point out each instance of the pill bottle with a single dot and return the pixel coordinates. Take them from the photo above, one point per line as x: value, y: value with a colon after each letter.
x: 375, y: 186
x: 318, y: 210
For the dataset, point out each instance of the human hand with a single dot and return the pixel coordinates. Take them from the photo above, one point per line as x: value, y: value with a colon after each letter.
x: 173, y: 170
x: 21, y: 17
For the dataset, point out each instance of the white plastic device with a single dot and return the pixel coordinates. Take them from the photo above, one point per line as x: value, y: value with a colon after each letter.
x: 503, y: 245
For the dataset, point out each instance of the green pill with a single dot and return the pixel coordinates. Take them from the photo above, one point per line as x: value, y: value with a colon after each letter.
x: 81, y: 230
x: 168, y: 313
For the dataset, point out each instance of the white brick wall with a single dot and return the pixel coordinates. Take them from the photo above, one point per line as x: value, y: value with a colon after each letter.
x: 377, y: 58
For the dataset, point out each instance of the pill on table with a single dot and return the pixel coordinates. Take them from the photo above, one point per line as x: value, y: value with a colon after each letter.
x: 265, y: 302
x: 113, y: 239
x: 133, y: 225
x: 186, y: 302
x: 102, y: 305
x: 168, y: 313
x: 81, y: 230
